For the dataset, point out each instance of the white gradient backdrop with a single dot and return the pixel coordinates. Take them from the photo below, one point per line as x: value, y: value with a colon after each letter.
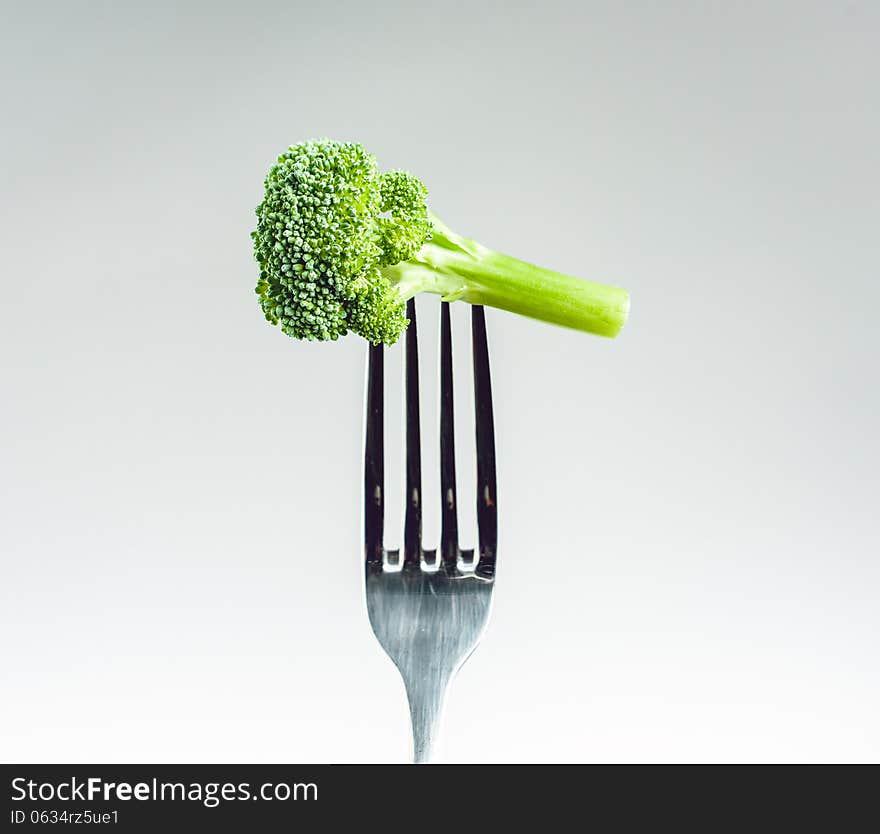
x: 689, y: 537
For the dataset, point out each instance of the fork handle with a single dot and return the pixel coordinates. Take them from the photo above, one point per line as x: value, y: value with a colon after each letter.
x: 425, y: 705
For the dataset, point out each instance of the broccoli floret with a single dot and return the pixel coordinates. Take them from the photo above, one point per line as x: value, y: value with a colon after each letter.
x: 342, y: 247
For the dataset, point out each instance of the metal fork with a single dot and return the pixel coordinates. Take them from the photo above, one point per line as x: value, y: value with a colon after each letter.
x: 428, y: 610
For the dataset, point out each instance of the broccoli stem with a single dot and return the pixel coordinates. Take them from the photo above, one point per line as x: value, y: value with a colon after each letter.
x: 459, y: 268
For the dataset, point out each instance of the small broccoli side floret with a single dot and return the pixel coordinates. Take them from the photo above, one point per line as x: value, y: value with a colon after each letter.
x: 376, y: 311
x: 408, y: 227
x: 342, y: 247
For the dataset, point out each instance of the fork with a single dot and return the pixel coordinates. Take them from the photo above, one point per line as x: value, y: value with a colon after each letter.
x: 429, y: 608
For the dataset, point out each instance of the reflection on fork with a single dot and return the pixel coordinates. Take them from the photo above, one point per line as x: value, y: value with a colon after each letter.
x: 428, y: 609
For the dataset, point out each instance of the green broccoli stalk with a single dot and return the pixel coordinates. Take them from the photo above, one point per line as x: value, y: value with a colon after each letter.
x: 342, y: 247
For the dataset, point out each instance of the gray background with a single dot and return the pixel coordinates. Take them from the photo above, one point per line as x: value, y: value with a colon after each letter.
x: 689, y: 553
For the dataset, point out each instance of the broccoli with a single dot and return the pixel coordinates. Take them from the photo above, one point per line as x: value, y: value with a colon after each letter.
x: 341, y: 247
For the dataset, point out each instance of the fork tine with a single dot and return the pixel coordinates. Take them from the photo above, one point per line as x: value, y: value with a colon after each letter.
x: 412, y: 528
x: 374, y: 458
x: 449, y: 518
x: 487, y: 510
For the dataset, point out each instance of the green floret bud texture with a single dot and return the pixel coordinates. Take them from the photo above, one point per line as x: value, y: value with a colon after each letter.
x: 378, y: 312
x: 405, y: 225
x: 327, y: 223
